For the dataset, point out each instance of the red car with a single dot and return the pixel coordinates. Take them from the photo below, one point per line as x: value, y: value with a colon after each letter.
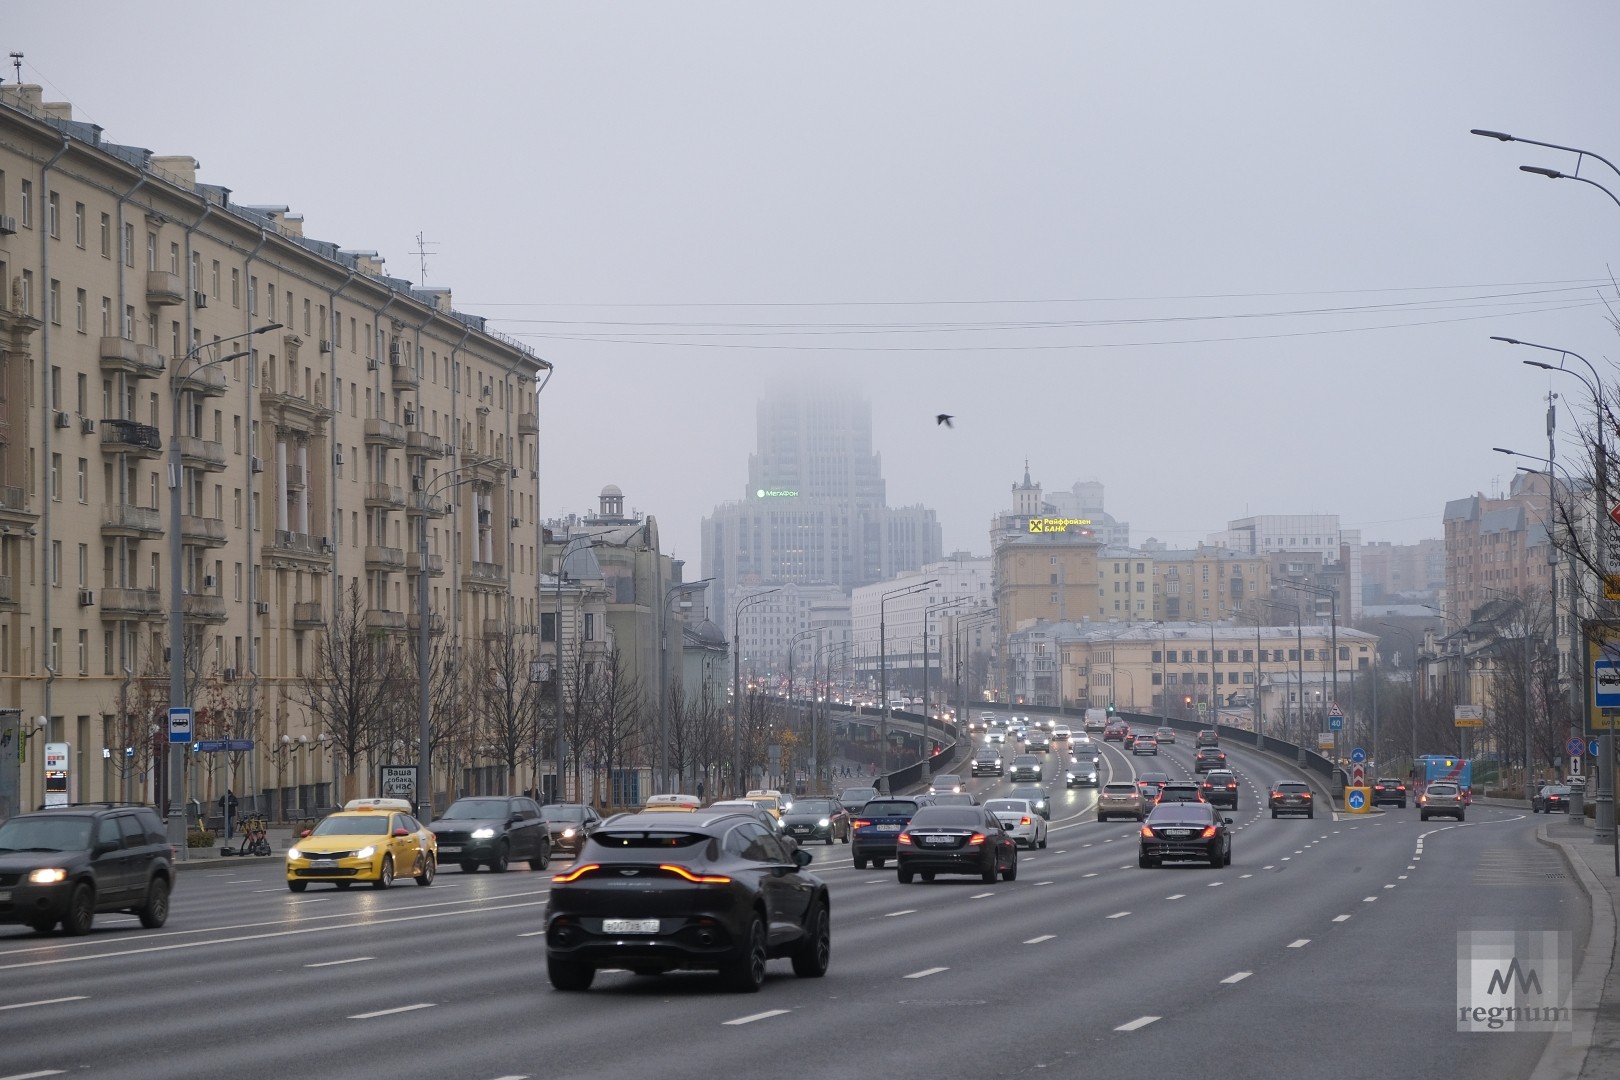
x: 1118, y: 731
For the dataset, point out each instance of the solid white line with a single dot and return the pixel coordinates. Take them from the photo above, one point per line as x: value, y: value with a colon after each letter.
x: 46, y: 1001
x: 908, y: 911
x: 245, y: 881
x: 335, y: 963
x: 1038, y: 940
x: 1119, y: 915
x: 1237, y: 977
x: 757, y: 1016
x: 33, y: 1075
x: 925, y: 972
x: 1177, y: 896
x: 1300, y: 944
x: 1139, y: 1022
x: 1341, y: 918
x: 981, y: 896
x: 392, y: 1012
x: 317, y: 900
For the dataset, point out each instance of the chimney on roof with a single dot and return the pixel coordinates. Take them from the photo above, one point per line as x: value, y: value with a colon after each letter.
x: 440, y: 298
x: 181, y: 167
x: 293, y: 223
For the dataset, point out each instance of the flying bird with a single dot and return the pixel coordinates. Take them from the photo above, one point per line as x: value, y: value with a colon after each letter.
x: 944, y: 418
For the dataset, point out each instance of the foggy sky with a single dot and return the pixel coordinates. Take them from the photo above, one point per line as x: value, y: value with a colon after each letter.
x: 1078, y: 227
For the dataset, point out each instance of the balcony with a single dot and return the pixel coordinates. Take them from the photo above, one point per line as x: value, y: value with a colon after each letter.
x: 297, y: 543
x: 129, y: 437
x: 294, y: 402
x: 295, y: 478
x: 405, y: 377
x: 377, y: 619
x: 140, y: 521
x: 435, y: 563
x: 421, y: 444
x: 423, y: 503
x: 413, y: 622
x: 205, y: 608
x: 381, y: 432
x: 202, y: 531
x: 495, y: 628
x: 385, y: 496
x: 384, y: 558
x: 121, y: 354
x: 127, y: 603
x: 13, y: 497
x: 492, y: 573
x: 307, y: 614
x: 528, y: 424
x: 202, y: 454
x: 207, y: 380
x: 164, y: 289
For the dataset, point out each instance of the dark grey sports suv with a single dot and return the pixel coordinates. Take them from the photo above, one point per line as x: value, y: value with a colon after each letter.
x: 63, y: 865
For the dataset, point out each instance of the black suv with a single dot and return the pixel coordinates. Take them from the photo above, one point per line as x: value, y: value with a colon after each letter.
x: 65, y: 864
x: 1221, y: 788
x: 1209, y: 757
x: 987, y: 760
x: 492, y: 830
x: 1292, y: 797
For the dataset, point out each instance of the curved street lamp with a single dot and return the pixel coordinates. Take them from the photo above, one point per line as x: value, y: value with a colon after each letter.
x: 883, y: 665
x: 736, y: 683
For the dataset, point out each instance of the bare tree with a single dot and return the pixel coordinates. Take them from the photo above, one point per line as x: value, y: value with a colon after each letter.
x: 580, y: 675
x: 618, y: 719
x: 682, y: 732
x: 505, y: 700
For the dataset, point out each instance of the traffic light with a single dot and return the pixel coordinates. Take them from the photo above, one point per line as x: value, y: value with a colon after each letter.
x: 1110, y: 708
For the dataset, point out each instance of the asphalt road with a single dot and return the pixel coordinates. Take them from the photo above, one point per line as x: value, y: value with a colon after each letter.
x: 1328, y: 948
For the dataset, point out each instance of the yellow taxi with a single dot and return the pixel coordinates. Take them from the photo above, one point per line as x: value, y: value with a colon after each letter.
x: 368, y: 840
x: 678, y: 803
x: 770, y: 800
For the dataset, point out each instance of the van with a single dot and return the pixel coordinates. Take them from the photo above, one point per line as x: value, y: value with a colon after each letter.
x: 1096, y: 719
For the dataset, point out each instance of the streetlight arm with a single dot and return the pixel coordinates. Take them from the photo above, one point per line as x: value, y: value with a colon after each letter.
x: 1502, y: 136
x: 1554, y: 174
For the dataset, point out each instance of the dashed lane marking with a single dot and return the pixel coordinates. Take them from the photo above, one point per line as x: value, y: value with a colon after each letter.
x: 1038, y: 940
x: 1119, y: 915
x: 392, y: 1012
x: 1341, y: 918
x: 1176, y: 896
x: 1139, y: 1022
x: 1245, y: 876
x: 336, y: 963
x: 981, y: 896
x: 896, y: 914
x: 44, y: 1001
x: 1368, y: 899
x: 925, y: 972
x: 766, y: 1015
x: 1299, y: 943
x: 1236, y: 977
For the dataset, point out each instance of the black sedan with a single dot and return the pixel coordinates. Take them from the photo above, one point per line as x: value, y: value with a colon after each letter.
x: 1185, y: 830
x: 1553, y: 798
x: 569, y: 824
x: 956, y: 840
x: 817, y: 819
x: 492, y: 830
x: 717, y: 891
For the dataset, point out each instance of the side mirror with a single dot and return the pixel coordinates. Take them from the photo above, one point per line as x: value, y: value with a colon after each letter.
x: 402, y: 832
x: 1226, y: 821
x: 304, y: 833
x: 801, y: 858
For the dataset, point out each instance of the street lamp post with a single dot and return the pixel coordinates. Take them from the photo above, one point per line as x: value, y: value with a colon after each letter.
x: 736, y: 683
x: 663, y: 678
x: 883, y: 668
x: 1333, y: 601
x: 928, y: 613
x: 961, y: 624
x: 179, y: 371
x: 793, y: 648
x: 424, y: 733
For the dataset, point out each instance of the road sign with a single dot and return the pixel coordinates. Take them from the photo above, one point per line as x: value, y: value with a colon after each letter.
x: 1575, y: 766
x: 1606, y: 684
x: 1334, y: 710
x: 1575, y: 746
x: 1592, y: 747
x: 1468, y: 716
x: 1358, y: 776
x: 1335, y: 722
x: 215, y: 746
x: 1356, y: 800
x: 1614, y: 513
x: 1358, y: 755
x: 180, y: 725
x: 1324, y: 740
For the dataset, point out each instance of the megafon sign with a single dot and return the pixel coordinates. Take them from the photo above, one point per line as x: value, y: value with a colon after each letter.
x: 1513, y: 980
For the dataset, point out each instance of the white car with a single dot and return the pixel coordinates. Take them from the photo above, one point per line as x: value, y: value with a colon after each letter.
x: 1061, y: 733
x: 995, y: 735
x: 1019, y: 819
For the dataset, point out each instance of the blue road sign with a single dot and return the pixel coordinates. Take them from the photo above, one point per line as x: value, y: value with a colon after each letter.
x: 1357, y: 799
x: 209, y: 746
x: 1575, y: 746
x: 1592, y: 748
x: 1335, y: 723
x: 1606, y: 684
x: 1358, y: 755
x: 180, y: 724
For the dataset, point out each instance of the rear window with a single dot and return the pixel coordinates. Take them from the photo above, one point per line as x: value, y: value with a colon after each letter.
x: 645, y: 839
x: 890, y: 808
x: 1197, y: 812
x: 947, y: 817
x: 1292, y: 787
x: 1007, y: 806
x: 1119, y: 789
x: 1442, y: 789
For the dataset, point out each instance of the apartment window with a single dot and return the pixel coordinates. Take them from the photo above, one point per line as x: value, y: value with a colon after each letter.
x: 590, y: 626
x: 84, y: 565
x: 56, y: 471
x: 174, y: 258
x: 151, y: 251
x: 1248, y: 656
x: 236, y: 507
x: 236, y: 287
x: 306, y: 316
x: 84, y: 476
x: 129, y: 244
x: 78, y: 224
x: 236, y: 583
x: 81, y: 301
x: 25, y: 205
x: 213, y: 280
x: 53, y: 215
x: 253, y: 295
x: 548, y: 626
x: 55, y: 311
x: 1344, y: 652
x: 56, y: 563
x: 27, y: 298
x: 106, y: 652
x: 1156, y: 656
x: 1203, y: 656
x: 1293, y: 655
x: 106, y: 241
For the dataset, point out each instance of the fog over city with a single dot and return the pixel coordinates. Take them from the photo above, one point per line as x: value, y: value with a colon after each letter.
x: 1228, y: 259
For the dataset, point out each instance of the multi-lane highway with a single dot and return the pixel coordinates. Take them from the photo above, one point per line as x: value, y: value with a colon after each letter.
x: 1327, y: 948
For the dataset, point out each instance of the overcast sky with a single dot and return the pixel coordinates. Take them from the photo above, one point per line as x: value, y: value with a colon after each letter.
x: 1225, y: 258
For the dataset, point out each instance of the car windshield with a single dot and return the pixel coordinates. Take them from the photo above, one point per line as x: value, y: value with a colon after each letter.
x: 563, y: 813
x: 352, y: 825
x: 890, y: 808
x: 815, y: 806
x: 947, y: 817
x: 988, y: 755
x: 474, y: 809
x: 45, y: 834
x: 1007, y: 806
x: 853, y: 793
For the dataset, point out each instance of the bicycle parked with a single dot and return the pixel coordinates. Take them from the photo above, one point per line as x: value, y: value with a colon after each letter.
x: 255, y: 840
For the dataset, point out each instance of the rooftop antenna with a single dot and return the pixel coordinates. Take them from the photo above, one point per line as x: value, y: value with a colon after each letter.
x: 421, y: 254
x: 16, y: 62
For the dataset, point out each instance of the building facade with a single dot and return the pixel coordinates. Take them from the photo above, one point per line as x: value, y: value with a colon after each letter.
x: 917, y: 623
x: 187, y: 381
x: 1309, y: 549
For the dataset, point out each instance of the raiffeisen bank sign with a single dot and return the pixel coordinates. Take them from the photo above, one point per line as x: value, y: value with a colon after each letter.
x: 775, y: 493
x: 1057, y: 525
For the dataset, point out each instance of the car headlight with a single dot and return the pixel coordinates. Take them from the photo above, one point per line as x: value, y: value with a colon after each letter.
x: 294, y: 853
x: 48, y: 876
x: 1070, y: 777
x: 366, y: 852
x: 483, y: 834
x: 823, y: 823
x: 568, y: 833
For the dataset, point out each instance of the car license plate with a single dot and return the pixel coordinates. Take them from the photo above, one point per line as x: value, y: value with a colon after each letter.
x: 5, y: 895
x: 323, y: 864
x: 629, y: 926
x: 937, y: 839
x: 449, y: 849
x: 888, y: 828
x: 1177, y: 833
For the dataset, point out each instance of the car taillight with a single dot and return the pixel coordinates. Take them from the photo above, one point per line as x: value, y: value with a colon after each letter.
x: 701, y: 879
x: 1231, y: 787
x: 1276, y: 794
x: 903, y: 838
x: 1304, y: 794
x: 1209, y: 831
x: 976, y: 839
x: 576, y: 873
x: 860, y: 823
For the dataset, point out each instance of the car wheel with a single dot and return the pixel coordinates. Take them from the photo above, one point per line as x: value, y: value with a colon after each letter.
x: 846, y: 836
x: 989, y: 876
x: 430, y: 867
x: 1143, y: 861
x: 385, y: 876
x: 569, y: 976
x: 155, y: 912
x: 1011, y: 872
x: 1042, y: 844
x: 502, y: 860
x: 80, y: 913
x: 1274, y: 815
x: 1424, y: 816
x: 542, y: 860
x: 1216, y: 858
x: 745, y: 973
x: 904, y: 875
x: 469, y: 867
x: 814, y: 951
x: 860, y: 863
x: 1459, y: 817
x: 1102, y: 818
x: 298, y: 886
x: 878, y: 863
x: 1310, y: 814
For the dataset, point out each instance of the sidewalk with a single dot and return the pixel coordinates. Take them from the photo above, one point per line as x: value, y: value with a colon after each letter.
x: 192, y: 858
x: 1596, y: 994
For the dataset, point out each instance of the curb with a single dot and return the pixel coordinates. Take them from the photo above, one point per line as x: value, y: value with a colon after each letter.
x: 230, y: 860
x: 1596, y: 962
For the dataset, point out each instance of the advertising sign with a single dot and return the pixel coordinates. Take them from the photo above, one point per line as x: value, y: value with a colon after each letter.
x: 397, y: 782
